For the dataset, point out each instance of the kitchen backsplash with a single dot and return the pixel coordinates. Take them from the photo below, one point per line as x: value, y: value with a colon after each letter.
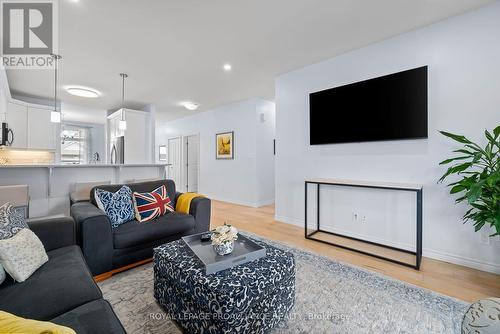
x: 19, y: 157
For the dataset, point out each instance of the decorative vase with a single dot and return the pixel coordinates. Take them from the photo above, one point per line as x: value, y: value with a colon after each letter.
x: 224, y: 248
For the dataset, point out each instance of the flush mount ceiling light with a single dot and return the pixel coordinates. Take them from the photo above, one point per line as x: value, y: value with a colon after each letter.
x: 190, y: 105
x: 227, y: 67
x: 83, y: 92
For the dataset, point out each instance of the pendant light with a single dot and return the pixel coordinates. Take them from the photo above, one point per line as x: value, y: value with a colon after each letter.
x: 55, y: 115
x: 122, y: 125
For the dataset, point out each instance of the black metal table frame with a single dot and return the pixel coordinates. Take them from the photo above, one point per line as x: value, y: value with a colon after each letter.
x: 417, y: 252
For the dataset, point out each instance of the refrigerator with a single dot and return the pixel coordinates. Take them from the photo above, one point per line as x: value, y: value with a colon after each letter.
x: 117, y: 150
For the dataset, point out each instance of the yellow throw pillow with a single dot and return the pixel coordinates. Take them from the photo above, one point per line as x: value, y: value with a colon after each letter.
x: 10, y: 324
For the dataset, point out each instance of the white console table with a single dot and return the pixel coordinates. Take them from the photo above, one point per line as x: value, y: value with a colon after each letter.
x: 418, y: 189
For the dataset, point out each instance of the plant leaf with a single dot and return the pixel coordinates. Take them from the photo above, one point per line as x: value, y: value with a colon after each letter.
x: 496, y: 132
x: 458, y: 188
x: 488, y: 135
x: 447, y: 161
x: 477, y: 157
x: 461, y: 167
x: 455, y: 170
x: 475, y: 192
x: 478, y: 226
x: 497, y: 222
x: 458, y: 138
x: 463, y: 151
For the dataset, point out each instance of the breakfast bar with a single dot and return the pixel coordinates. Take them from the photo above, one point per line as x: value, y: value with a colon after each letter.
x: 50, y: 185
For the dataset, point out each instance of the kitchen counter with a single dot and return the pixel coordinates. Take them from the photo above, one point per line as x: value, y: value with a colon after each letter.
x: 50, y: 184
x: 82, y: 166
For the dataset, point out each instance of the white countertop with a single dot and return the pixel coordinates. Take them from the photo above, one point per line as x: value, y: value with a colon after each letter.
x: 83, y: 166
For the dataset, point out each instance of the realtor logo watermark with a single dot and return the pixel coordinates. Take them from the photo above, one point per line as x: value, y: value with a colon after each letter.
x: 29, y: 33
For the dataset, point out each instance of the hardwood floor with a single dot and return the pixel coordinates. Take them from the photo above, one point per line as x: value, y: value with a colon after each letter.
x: 446, y: 278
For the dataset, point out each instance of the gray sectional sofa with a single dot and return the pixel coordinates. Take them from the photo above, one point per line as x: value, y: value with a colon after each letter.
x: 107, y: 248
x: 62, y: 290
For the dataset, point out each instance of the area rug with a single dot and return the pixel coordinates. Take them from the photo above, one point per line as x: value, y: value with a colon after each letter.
x: 331, y: 297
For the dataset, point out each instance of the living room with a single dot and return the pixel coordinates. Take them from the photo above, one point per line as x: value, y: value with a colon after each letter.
x: 261, y: 167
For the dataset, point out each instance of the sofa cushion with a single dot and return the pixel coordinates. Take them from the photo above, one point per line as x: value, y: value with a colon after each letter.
x: 11, y: 221
x: 22, y: 254
x: 135, y: 233
x: 61, y: 284
x: 141, y: 187
x: 151, y: 205
x: 91, y: 318
x: 118, y: 205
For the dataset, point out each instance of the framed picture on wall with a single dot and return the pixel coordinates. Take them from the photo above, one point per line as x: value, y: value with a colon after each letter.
x: 224, y: 145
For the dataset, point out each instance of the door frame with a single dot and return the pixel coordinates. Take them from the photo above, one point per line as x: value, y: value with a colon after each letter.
x: 184, y: 174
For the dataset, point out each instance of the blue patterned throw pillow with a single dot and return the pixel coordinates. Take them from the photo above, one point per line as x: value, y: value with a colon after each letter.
x: 118, y: 206
x: 11, y: 221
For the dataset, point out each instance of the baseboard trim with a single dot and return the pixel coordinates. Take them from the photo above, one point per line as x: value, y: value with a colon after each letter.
x: 244, y: 203
x: 463, y: 261
x: 429, y: 253
x: 266, y: 202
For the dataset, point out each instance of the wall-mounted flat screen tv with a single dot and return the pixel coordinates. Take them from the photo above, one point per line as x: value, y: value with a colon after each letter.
x: 391, y: 107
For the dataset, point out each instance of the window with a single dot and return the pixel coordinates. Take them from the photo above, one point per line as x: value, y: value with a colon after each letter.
x: 75, y: 146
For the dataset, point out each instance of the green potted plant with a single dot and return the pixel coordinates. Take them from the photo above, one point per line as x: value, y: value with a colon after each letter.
x: 479, y: 171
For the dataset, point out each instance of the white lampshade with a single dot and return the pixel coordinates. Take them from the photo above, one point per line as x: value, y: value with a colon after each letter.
x: 122, y: 125
x: 55, y: 117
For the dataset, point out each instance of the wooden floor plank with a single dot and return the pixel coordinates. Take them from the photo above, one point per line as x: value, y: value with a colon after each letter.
x: 453, y: 280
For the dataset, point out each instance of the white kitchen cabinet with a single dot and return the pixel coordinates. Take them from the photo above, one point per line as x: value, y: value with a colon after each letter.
x: 17, y: 120
x: 41, y: 131
x: 136, y: 137
x: 31, y: 126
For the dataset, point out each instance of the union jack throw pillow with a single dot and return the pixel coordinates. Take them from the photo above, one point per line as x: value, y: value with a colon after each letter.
x: 152, y: 205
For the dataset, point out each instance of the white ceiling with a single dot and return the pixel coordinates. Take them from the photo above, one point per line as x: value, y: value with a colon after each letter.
x: 174, y: 50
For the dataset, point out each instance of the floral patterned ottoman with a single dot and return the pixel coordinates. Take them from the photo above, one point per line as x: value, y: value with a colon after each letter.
x: 249, y: 298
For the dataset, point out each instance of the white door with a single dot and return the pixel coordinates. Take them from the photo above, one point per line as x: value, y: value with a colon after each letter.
x: 191, y: 163
x: 174, y: 160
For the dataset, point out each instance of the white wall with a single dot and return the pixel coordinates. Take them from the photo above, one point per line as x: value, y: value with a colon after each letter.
x: 266, y: 129
x: 237, y: 180
x: 463, y: 55
x: 77, y: 113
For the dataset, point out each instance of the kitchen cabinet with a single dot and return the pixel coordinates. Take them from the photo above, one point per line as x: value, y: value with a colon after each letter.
x: 31, y: 126
x: 41, y: 131
x: 137, y: 136
x: 17, y: 120
x: 114, y: 129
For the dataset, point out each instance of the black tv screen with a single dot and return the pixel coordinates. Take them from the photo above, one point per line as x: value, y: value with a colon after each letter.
x: 391, y: 107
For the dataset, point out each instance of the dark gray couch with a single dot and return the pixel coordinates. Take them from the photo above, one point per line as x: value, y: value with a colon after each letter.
x: 62, y: 290
x: 106, y: 248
